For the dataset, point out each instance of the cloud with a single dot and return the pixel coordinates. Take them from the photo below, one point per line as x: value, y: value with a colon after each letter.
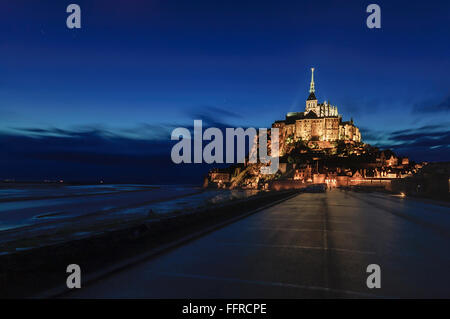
x: 91, y: 155
x: 142, y: 153
x: 148, y: 131
x: 433, y: 106
x: 426, y: 143
x: 422, y: 129
x: 213, y: 116
x: 371, y: 135
x: 221, y: 112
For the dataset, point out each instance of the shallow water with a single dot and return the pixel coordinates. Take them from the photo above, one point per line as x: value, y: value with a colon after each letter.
x: 101, y: 205
x: 73, y: 201
x: 209, y: 197
x: 36, y: 191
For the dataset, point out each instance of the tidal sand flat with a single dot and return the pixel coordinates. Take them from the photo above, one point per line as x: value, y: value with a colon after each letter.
x: 82, y: 211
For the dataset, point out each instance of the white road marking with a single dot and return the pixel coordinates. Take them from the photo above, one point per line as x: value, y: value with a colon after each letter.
x: 306, y: 230
x: 306, y: 220
x: 300, y: 247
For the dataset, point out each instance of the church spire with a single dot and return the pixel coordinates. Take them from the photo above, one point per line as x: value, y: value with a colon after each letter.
x: 311, y: 86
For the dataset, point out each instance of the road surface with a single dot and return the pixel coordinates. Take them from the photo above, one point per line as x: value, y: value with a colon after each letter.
x: 310, y: 246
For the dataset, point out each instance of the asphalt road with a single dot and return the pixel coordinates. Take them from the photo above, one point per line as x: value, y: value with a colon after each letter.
x: 310, y: 246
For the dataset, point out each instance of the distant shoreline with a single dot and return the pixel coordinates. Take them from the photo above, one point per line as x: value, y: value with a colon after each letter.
x: 17, y: 199
x: 75, y: 183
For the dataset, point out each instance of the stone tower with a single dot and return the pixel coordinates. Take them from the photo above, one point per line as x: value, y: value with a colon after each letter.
x: 311, y: 101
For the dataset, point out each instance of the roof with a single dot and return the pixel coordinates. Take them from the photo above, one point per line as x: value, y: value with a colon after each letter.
x: 293, y: 116
x: 311, y: 96
x: 311, y: 115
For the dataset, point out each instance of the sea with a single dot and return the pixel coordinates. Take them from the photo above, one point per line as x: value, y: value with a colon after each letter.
x: 34, y: 215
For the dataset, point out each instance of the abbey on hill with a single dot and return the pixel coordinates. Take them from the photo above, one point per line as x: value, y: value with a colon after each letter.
x: 317, y: 147
x: 320, y: 123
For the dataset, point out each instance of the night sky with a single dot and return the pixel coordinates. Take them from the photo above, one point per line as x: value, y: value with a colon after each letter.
x: 100, y: 102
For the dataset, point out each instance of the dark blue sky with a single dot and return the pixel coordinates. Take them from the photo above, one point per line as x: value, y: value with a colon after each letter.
x: 71, y: 100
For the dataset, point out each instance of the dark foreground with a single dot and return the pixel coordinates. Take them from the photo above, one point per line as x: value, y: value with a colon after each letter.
x: 312, y: 245
x: 42, y: 269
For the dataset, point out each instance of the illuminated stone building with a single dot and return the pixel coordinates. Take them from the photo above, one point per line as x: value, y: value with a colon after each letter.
x: 319, y: 122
